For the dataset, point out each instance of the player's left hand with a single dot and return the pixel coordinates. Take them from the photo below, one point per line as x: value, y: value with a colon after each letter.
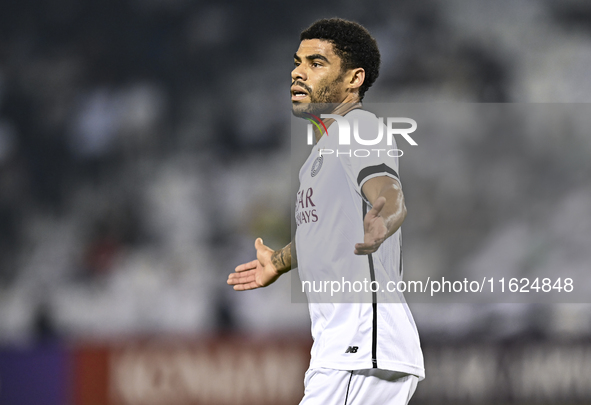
x: 375, y: 229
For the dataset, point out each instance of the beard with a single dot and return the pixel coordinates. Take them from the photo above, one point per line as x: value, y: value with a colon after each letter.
x: 322, y: 101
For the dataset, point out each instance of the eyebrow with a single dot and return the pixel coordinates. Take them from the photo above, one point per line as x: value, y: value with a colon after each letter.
x: 311, y: 57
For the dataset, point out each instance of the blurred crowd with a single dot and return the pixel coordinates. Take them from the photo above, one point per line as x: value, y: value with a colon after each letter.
x: 144, y: 146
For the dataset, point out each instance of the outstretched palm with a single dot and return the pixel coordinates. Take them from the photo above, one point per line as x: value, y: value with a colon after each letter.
x: 375, y: 230
x: 257, y: 273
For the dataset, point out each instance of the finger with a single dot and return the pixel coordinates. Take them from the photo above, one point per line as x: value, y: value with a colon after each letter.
x: 378, y: 205
x: 371, y: 241
x: 242, y: 279
x: 244, y: 275
x: 246, y: 266
x: 244, y: 287
x: 361, y: 252
x: 248, y: 284
x: 365, y: 248
x: 258, y: 243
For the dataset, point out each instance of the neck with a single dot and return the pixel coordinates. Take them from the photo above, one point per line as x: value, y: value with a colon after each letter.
x: 341, y: 110
x: 344, y: 108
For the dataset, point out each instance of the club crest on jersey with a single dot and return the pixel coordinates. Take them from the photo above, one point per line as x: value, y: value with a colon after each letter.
x: 316, y: 166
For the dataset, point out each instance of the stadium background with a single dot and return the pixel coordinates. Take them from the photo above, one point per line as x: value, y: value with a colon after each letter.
x: 143, y: 147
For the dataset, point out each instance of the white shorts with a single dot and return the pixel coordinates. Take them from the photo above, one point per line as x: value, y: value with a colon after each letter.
x: 324, y: 386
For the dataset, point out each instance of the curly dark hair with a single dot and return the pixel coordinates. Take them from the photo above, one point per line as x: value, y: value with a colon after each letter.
x: 352, y: 43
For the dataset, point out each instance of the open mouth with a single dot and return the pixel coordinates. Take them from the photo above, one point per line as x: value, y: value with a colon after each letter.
x: 298, y: 94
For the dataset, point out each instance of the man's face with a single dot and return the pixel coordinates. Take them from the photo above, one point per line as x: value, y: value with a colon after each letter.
x: 317, y: 77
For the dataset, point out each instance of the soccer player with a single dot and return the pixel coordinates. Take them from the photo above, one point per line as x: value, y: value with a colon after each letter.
x: 364, y: 352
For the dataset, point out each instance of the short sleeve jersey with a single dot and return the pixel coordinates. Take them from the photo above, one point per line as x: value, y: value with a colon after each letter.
x: 349, y: 333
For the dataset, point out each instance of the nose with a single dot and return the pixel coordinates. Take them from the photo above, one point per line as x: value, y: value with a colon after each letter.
x: 298, y: 72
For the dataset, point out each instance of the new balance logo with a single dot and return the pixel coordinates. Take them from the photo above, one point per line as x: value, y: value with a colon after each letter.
x: 352, y: 349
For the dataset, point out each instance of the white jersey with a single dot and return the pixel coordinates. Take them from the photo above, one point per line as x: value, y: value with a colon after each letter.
x: 351, y: 333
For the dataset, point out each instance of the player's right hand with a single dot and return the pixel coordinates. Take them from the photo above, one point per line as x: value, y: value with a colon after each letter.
x: 256, y: 274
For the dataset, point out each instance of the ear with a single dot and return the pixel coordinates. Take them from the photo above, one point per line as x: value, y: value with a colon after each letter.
x: 356, y: 77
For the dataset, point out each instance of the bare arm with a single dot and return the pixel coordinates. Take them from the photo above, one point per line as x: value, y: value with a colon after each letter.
x: 385, y: 217
x: 285, y: 259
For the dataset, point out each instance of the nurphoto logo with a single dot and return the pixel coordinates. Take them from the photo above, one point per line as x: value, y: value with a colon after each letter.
x: 344, y: 135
